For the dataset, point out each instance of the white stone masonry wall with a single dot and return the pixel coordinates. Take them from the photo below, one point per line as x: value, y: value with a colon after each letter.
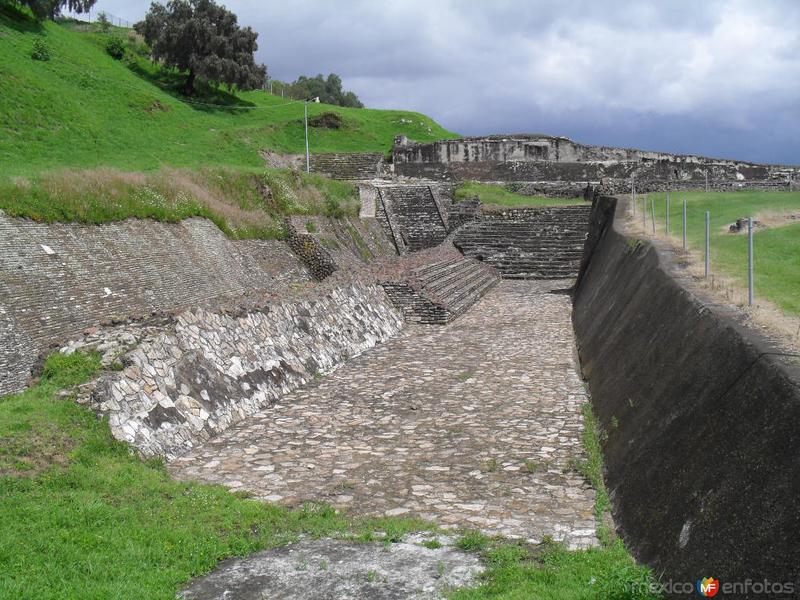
x: 206, y: 370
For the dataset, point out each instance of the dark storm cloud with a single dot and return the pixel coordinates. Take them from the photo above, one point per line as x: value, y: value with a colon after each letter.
x: 718, y: 77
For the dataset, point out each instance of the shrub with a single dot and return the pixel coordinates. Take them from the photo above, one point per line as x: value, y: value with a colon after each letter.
x: 333, y: 208
x: 115, y: 46
x: 102, y: 20
x: 41, y: 51
x: 137, y: 45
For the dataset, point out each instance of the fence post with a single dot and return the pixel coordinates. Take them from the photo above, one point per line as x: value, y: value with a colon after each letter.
x: 666, y: 224
x: 644, y: 212
x: 653, y: 213
x: 684, y: 225
x: 751, y: 294
x: 708, y: 243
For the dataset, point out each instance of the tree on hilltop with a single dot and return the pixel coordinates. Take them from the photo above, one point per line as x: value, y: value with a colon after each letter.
x: 205, y: 40
x: 48, y: 9
x: 329, y: 90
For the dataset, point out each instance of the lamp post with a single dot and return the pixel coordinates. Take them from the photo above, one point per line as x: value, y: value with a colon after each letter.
x: 305, y: 120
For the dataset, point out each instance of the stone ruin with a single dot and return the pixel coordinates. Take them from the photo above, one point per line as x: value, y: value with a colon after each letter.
x: 208, y: 332
x: 559, y: 166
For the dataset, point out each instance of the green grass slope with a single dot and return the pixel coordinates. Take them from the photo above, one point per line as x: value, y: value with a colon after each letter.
x: 776, y: 249
x: 84, y: 109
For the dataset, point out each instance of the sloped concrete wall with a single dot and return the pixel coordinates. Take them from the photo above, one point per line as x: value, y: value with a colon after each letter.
x: 206, y: 370
x: 58, y: 279
x: 701, y: 416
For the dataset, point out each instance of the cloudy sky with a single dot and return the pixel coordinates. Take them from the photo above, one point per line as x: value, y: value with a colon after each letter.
x: 715, y: 77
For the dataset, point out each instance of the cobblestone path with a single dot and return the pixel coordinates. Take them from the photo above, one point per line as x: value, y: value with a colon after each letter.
x: 472, y: 424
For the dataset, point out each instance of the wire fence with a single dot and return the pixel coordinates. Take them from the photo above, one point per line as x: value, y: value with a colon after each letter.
x: 93, y: 16
x: 645, y: 206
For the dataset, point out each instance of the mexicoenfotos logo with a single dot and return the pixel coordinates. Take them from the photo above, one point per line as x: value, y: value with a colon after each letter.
x: 707, y: 587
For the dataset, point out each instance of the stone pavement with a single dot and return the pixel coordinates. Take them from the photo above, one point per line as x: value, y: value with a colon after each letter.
x: 472, y: 425
x: 340, y: 570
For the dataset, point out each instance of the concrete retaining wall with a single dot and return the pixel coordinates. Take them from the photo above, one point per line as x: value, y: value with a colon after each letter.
x: 204, y: 370
x: 58, y: 279
x: 702, y: 420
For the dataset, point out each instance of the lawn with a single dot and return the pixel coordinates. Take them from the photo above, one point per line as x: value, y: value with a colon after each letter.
x: 499, y: 195
x: 776, y: 248
x: 83, y: 109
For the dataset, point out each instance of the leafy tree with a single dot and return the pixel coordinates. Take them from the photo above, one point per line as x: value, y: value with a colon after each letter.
x: 48, y: 9
x: 205, y: 40
x: 329, y: 90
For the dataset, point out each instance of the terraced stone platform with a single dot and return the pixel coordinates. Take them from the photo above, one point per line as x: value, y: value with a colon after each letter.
x: 528, y: 243
x: 473, y: 424
x: 440, y: 292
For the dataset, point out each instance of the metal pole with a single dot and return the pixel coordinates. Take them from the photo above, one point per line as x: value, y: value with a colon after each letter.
x: 751, y: 294
x: 633, y: 193
x: 644, y: 212
x: 708, y: 243
x: 653, y: 213
x: 684, y: 224
x: 305, y: 119
x: 666, y: 224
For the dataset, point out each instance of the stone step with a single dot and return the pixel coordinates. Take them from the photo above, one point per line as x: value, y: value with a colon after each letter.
x: 512, y: 243
x: 453, y: 288
x: 435, y: 267
x: 475, y: 293
x: 468, y: 232
x: 435, y: 283
x: 527, y: 275
x: 533, y: 243
x: 448, y: 289
x: 501, y: 262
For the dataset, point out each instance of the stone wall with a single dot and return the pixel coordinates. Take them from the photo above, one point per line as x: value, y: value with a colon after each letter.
x: 205, y: 370
x: 350, y: 242
x: 58, y: 279
x: 544, y: 161
x: 464, y: 211
x: 311, y: 252
x: 700, y: 417
x: 351, y: 165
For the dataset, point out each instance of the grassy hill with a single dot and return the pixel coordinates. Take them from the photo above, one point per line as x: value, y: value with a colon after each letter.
x: 83, y: 109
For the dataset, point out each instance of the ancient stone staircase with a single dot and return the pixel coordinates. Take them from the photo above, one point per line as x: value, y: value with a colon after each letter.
x: 530, y: 243
x: 441, y: 291
x: 415, y: 214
